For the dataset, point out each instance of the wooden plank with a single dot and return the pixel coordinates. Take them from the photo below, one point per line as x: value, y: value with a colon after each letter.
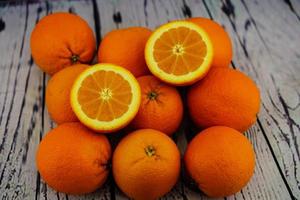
x: 255, y: 36
x: 158, y: 12
x: 261, y: 186
x: 285, y: 98
x: 21, y: 105
x: 293, y: 6
x: 122, y: 14
x: 19, y: 178
x: 106, y: 19
x: 43, y: 190
x: 85, y: 10
x: 23, y: 127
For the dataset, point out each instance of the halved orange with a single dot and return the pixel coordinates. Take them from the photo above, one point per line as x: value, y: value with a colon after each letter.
x: 179, y: 53
x: 105, y: 97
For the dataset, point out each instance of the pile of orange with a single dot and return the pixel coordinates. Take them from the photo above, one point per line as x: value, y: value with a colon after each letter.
x: 134, y: 85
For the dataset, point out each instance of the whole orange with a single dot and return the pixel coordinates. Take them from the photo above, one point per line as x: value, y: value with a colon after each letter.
x: 58, y: 93
x: 125, y: 47
x: 146, y: 164
x: 60, y: 40
x: 220, y: 40
x: 161, y: 106
x: 220, y: 160
x: 73, y: 159
x: 224, y: 97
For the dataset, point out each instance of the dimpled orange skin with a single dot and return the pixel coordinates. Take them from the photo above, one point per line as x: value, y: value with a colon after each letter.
x: 125, y: 47
x: 224, y: 97
x: 73, y: 159
x: 220, y: 39
x: 221, y: 161
x: 140, y: 174
x: 60, y: 37
x: 58, y: 94
x: 161, y: 106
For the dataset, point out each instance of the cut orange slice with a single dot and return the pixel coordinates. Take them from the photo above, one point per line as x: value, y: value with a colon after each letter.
x: 179, y: 53
x: 105, y: 97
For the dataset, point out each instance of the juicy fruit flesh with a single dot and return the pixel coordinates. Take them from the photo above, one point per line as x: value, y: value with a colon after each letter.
x: 104, y: 96
x: 180, y: 51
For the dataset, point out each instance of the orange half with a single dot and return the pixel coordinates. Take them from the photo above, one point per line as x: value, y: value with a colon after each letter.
x: 179, y: 53
x: 105, y: 97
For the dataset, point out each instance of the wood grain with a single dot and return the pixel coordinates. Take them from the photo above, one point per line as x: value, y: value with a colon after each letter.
x: 21, y: 105
x: 261, y: 57
x: 198, y: 9
x: 264, y: 50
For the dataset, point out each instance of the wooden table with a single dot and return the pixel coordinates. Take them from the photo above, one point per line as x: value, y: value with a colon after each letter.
x: 266, y: 39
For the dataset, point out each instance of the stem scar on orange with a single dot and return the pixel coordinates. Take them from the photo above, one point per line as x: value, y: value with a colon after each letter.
x: 179, y: 53
x: 60, y: 40
x: 146, y: 164
x: 161, y: 107
x: 105, y: 97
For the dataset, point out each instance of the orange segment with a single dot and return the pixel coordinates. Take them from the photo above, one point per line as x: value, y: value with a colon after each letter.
x: 179, y: 53
x: 105, y: 97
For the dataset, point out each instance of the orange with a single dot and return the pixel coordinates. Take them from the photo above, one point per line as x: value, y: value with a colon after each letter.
x: 72, y: 159
x: 146, y: 164
x: 125, y: 47
x: 224, y: 97
x: 60, y: 40
x: 179, y: 53
x: 220, y: 160
x: 161, y: 106
x: 220, y: 41
x: 105, y: 97
x: 58, y: 93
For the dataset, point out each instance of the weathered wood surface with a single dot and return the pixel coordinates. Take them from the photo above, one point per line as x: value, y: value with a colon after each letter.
x: 267, y: 49
x: 266, y: 40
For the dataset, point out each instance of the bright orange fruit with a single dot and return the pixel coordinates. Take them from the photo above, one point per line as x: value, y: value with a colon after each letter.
x: 73, y: 159
x: 220, y: 41
x: 125, y: 47
x: 161, y: 106
x: 60, y: 40
x: 146, y: 164
x: 58, y: 94
x: 179, y: 53
x: 220, y: 160
x: 224, y: 97
x: 105, y: 97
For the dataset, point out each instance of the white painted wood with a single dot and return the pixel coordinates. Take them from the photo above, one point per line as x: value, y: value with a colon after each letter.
x: 21, y: 106
x: 267, y: 51
x: 293, y: 6
x: 24, y: 120
x: 198, y: 9
x: 85, y: 10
